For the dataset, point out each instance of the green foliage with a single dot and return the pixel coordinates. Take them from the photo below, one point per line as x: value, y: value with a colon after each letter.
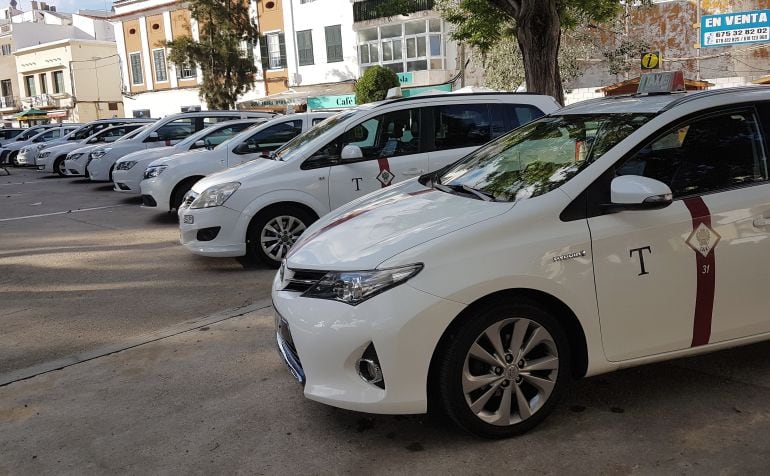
x: 374, y: 84
x: 223, y: 53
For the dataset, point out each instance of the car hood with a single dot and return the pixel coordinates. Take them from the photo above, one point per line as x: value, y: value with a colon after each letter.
x: 240, y: 173
x: 364, y: 233
x: 85, y: 149
x: 172, y: 157
x: 149, y: 155
x: 14, y: 145
x: 66, y: 146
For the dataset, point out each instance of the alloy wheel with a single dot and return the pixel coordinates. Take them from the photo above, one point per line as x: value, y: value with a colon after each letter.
x: 510, y: 371
x: 279, y: 235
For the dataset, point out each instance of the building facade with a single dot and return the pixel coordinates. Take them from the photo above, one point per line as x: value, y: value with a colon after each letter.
x: 71, y: 80
x: 38, y: 27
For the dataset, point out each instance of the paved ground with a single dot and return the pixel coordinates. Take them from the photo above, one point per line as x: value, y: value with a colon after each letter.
x: 161, y: 389
x: 74, y: 282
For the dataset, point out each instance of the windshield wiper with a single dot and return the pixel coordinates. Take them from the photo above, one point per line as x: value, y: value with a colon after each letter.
x: 486, y: 196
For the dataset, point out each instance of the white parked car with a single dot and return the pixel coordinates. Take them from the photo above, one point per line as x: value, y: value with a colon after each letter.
x: 23, y: 153
x: 51, y: 158
x: 165, y: 132
x: 609, y: 234
x: 76, y: 161
x: 167, y: 181
x: 8, y: 155
x: 262, y: 207
x: 7, y: 134
x: 129, y: 169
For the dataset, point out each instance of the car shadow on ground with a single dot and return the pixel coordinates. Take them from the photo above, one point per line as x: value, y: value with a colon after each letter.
x: 132, y: 200
x: 104, y: 188
x: 167, y: 218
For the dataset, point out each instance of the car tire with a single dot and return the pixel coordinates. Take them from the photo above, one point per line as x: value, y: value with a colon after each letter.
x: 12, y: 158
x: 180, y: 191
x: 499, y: 396
x: 273, y: 231
x: 58, y: 166
x: 111, y: 170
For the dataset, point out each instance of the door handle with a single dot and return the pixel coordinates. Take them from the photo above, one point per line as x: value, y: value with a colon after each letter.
x: 413, y: 172
x: 761, y: 222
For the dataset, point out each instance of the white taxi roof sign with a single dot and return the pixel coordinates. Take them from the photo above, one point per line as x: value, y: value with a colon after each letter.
x: 661, y: 82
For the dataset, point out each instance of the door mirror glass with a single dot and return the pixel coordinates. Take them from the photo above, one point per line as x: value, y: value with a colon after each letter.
x: 634, y: 191
x: 352, y: 152
x: 247, y: 147
x: 153, y: 137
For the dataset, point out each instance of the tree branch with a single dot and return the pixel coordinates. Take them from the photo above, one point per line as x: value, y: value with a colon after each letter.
x: 510, y: 7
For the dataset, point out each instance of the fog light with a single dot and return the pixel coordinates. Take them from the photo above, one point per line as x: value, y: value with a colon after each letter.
x: 368, y: 367
x: 208, y: 234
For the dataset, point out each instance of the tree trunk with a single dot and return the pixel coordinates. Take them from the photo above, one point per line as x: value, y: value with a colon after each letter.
x: 538, y: 31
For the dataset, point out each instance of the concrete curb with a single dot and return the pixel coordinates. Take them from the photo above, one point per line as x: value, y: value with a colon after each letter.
x: 186, y: 326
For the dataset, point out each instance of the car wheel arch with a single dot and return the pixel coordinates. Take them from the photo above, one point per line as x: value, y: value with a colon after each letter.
x: 286, y: 203
x: 572, y: 327
x: 180, y: 183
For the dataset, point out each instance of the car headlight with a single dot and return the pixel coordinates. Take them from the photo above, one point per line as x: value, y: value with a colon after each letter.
x: 126, y: 165
x: 74, y: 156
x: 23, y: 150
x: 355, y: 287
x: 215, y: 196
x: 154, y: 171
x: 99, y: 153
x: 41, y: 146
x: 43, y: 155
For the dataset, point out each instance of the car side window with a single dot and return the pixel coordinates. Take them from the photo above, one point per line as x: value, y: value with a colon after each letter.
x: 703, y: 155
x: 318, y: 120
x: 392, y: 134
x: 461, y: 125
x: 271, y: 138
x: 506, y: 117
x: 176, y: 129
x: 223, y: 134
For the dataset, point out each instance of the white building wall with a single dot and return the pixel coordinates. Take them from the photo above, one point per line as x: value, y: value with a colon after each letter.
x: 163, y: 103
x: 316, y: 16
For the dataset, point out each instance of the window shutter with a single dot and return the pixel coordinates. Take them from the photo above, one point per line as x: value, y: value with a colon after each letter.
x: 263, y: 52
x: 282, y: 46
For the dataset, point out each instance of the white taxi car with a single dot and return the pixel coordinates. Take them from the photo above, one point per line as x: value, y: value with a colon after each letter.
x: 75, y: 161
x: 260, y: 208
x: 612, y: 233
x: 167, y: 181
x: 129, y: 169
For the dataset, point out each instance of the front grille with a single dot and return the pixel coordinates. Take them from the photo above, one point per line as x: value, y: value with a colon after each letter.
x: 301, y: 280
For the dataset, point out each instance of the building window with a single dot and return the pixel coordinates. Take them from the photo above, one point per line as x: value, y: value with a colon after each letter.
x: 410, y: 46
x: 58, y: 82
x: 112, y: 106
x: 273, y: 51
x: 43, y: 83
x: 186, y: 71
x: 137, y: 78
x: 305, y: 47
x: 29, y: 85
x: 333, y: 44
x: 6, y: 49
x: 159, y: 62
x: 140, y: 113
x: 6, y: 89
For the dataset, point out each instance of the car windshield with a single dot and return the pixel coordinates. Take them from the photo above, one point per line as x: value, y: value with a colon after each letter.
x: 318, y: 130
x: 538, y: 157
x: 134, y: 133
x: 86, y: 131
x: 28, y: 134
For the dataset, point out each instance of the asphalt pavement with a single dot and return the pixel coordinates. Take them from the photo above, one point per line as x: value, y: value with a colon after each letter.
x: 122, y: 353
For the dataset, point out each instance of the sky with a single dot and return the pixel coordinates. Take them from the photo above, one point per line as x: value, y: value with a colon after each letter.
x: 71, y: 6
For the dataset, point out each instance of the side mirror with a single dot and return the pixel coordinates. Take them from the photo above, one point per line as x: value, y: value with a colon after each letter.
x: 640, y: 193
x: 153, y: 137
x: 351, y: 152
x: 245, y: 148
x: 198, y: 144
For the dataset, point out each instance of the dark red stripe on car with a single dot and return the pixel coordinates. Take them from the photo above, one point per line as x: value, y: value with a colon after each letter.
x: 384, y: 165
x: 705, y: 272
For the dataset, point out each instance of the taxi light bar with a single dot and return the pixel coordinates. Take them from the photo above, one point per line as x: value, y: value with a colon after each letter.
x: 661, y: 83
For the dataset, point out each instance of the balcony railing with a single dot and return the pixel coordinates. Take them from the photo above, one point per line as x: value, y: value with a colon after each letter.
x: 373, y: 9
x: 9, y: 102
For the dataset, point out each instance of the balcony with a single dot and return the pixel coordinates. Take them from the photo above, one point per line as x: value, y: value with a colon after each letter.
x: 373, y: 9
x: 9, y: 103
x: 47, y: 101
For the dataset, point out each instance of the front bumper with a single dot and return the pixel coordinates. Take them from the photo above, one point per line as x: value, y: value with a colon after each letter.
x: 77, y: 166
x: 403, y: 324
x: 127, y: 181
x: 26, y: 158
x: 230, y: 241
x: 155, y: 189
x: 99, y: 169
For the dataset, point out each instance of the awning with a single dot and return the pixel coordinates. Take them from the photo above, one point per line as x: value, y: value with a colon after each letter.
x: 762, y: 80
x: 630, y: 86
x: 296, y: 98
x: 31, y: 114
x: 57, y: 114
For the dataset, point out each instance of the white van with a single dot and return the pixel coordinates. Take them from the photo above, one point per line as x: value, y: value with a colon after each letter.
x: 165, y: 132
x: 167, y: 181
x: 262, y: 207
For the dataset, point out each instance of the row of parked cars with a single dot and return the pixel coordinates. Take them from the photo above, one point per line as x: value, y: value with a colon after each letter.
x: 287, y: 170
